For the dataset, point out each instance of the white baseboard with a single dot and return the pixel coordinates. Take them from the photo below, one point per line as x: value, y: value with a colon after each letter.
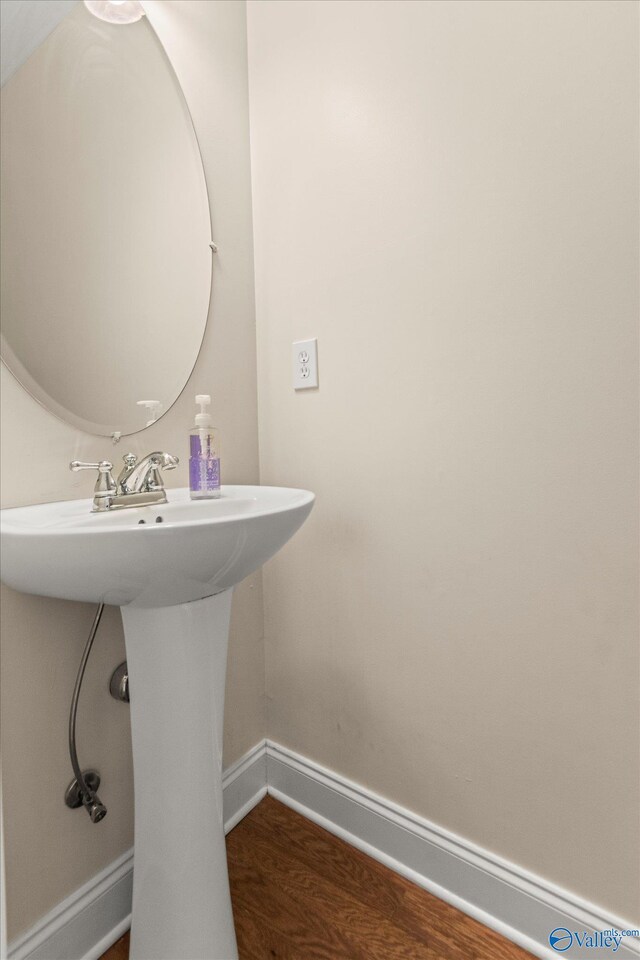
x: 244, y: 784
x: 84, y: 925
x: 521, y: 906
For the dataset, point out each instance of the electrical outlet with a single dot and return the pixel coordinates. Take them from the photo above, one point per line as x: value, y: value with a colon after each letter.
x: 305, y: 364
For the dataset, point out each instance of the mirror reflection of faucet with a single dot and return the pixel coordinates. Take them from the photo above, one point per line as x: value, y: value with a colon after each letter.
x: 139, y: 482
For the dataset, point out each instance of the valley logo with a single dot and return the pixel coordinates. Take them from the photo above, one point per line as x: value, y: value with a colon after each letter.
x: 561, y: 939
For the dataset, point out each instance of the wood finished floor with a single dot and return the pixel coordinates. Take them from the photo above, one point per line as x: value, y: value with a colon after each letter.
x: 299, y: 893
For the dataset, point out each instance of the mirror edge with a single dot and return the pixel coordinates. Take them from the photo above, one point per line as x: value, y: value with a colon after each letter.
x: 20, y: 374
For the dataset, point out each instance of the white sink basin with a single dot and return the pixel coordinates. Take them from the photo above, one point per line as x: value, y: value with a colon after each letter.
x: 173, y: 580
x: 199, y: 549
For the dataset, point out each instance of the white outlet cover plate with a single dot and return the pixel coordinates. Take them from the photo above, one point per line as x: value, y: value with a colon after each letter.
x: 305, y: 364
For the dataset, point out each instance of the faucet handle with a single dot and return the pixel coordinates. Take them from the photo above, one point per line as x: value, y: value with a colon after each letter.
x: 103, y: 466
x: 105, y: 484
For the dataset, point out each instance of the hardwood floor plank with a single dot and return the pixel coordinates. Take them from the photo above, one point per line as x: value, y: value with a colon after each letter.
x: 119, y: 950
x: 258, y: 941
x: 366, y: 930
x: 325, y: 854
x: 427, y: 915
x: 300, y: 893
x: 297, y: 922
x: 411, y: 907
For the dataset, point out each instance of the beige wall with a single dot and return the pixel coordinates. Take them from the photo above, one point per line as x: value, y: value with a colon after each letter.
x: 50, y: 850
x: 445, y: 193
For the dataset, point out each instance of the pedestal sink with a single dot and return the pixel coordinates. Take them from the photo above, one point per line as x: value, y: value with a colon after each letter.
x: 171, y: 568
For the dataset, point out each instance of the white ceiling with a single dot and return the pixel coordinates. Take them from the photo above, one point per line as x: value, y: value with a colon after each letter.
x: 24, y: 24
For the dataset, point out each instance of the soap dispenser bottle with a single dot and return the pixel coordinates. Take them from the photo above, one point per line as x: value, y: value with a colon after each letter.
x: 204, y: 460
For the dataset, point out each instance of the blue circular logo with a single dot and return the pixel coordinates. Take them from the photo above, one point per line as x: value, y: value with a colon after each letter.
x: 560, y: 939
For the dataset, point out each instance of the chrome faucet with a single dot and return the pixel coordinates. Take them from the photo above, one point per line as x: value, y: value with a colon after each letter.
x: 139, y: 483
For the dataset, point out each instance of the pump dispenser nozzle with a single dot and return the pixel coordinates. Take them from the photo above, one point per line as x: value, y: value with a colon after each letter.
x: 154, y: 407
x: 203, y: 419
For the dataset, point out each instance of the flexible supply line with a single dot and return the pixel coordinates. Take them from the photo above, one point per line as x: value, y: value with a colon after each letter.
x: 90, y: 799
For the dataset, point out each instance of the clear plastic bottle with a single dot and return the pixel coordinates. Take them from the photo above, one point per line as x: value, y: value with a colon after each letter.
x: 204, y: 459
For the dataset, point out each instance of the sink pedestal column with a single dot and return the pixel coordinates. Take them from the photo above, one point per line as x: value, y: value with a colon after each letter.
x: 176, y: 658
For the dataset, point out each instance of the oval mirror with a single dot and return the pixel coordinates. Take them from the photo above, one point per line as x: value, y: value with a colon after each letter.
x: 106, y: 258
